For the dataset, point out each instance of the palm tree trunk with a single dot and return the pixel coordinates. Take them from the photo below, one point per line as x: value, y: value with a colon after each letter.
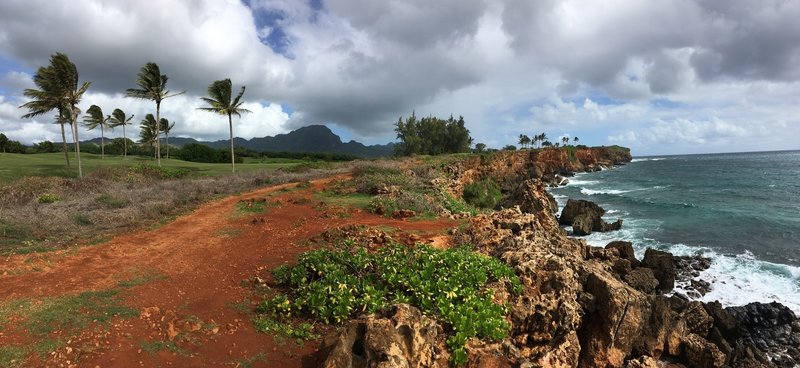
x: 66, y: 150
x: 167, y: 134
x: 230, y: 126
x: 158, y: 143
x: 102, y: 143
x: 77, y: 145
x: 124, y: 142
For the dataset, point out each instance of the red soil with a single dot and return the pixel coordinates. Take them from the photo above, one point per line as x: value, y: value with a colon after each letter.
x: 209, y: 258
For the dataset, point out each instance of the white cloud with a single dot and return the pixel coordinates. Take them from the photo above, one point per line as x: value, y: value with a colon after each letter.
x: 598, y: 70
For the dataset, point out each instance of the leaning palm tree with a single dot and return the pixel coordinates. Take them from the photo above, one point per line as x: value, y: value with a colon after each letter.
x: 71, y: 94
x: 60, y: 90
x: 219, y: 100
x: 166, y: 127
x: 48, y: 98
x: 152, y: 86
x: 118, y: 118
x: 94, y: 118
x: 148, y: 133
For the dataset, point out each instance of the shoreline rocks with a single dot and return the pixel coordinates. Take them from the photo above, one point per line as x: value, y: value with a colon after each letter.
x: 586, y: 216
x: 580, y: 306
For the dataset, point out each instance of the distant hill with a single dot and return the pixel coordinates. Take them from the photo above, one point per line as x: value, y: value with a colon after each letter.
x: 312, y: 138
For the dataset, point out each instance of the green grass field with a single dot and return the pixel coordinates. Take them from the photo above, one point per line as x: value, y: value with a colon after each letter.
x: 14, y: 166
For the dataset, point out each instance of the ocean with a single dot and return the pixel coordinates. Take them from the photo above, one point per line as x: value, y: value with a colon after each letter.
x: 741, y: 210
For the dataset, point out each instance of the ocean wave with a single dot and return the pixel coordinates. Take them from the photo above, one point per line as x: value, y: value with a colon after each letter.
x: 590, y: 192
x: 739, y: 279
x: 648, y: 159
x: 575, y: 181
x: 735, y: 280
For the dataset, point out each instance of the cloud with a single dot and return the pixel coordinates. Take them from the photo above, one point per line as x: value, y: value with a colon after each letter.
x: 617, y: 69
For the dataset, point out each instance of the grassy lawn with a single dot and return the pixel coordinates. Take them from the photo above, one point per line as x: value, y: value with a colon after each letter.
x: 14, y: 166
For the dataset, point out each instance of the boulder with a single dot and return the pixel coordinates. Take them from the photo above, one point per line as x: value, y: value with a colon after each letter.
x: 600, y: 225
x: 401, y: 338
x: 615, y: 317
x: 663, y: 267
x: 585, y: 217
x: 625, y: 250
x: 642, y: 362
x: 642, y: 279
x: 701, y: 353
x: 770, y: 328
x: 578, y: 207
x: 582, y: 225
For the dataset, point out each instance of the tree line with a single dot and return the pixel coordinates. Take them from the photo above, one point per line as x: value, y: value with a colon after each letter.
x: 431, y: 136
x: 58, y: 88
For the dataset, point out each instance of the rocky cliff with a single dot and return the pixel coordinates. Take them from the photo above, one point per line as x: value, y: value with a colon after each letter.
x: 583, y: 306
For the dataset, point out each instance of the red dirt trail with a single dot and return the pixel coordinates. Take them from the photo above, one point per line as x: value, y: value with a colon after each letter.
x: 206, y: 260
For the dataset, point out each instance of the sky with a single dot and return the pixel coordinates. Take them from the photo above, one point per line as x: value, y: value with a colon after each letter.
x: 660, y: 77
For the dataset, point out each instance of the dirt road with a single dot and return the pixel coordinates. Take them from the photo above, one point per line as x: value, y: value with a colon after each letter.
x: 189, y: 280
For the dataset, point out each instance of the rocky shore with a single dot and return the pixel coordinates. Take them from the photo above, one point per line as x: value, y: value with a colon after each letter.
x: 581, y: 306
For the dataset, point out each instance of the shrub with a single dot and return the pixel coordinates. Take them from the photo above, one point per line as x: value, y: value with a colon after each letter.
x: 334, y: 285
x: 47, y: 198
x: 483, y: 193
x: 370, y: 179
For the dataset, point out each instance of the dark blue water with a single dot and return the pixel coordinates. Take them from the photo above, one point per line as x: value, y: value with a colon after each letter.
x: 742, y: 210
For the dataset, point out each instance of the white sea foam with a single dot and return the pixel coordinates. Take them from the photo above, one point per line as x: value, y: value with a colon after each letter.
x: 742, y: 279
x: 735, y: 279
x: 590, y: 192
x: 575, y: 181
x: 648, y: 159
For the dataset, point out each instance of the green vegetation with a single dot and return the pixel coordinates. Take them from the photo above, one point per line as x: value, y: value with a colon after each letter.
x: 68, y: 314
x: 47, y: 198
x: 12, y: 356
x: 153, y: 347
x: 15, y: 166
x: 332, y: 285
x: 431, y: 136
x: 299, y: 331
x: 484, y: 193
x: 141, y: 277
x: 259, y: 205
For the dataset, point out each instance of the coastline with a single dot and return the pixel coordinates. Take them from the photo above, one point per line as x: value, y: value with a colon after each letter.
x: 733, y: 278
x: 579, y: 305
x: 617, y: 322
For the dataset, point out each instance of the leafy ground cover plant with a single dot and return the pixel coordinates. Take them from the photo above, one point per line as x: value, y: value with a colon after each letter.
x: 332, y: 285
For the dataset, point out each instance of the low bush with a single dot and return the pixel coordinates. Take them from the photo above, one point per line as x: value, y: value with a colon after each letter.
x: 47, y: 198
x: 333, y: 285
x: 483, y: 193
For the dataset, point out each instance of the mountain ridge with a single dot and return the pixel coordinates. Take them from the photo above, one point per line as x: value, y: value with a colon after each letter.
x: 311, y: 138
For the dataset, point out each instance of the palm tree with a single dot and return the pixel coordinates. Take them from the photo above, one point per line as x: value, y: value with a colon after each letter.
x: 118, y: 118
x: 45, y: 99
x: 152, y: 86
x: 148, y: 131
x: 59, y: 89
x: 543, y: 137
x: 565, y: 140
x: 94, y: 118
x: 575, y: 140
x: 220, y: 102
x: 166, y: 128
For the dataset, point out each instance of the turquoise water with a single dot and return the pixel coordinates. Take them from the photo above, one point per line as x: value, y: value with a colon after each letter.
x: 742, y: 210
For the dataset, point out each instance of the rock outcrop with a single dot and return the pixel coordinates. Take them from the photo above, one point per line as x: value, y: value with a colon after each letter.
x: 403, y: 337
x: 580, y: 306
x: 586, y: 216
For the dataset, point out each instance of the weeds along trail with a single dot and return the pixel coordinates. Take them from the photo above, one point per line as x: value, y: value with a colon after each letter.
x: 185, y: 286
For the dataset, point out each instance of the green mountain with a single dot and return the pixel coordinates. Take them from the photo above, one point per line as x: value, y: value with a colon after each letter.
x: 312, y: 138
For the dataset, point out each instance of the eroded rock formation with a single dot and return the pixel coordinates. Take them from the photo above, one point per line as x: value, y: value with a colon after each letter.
x: 580, y: 306
x: 586, y: 216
